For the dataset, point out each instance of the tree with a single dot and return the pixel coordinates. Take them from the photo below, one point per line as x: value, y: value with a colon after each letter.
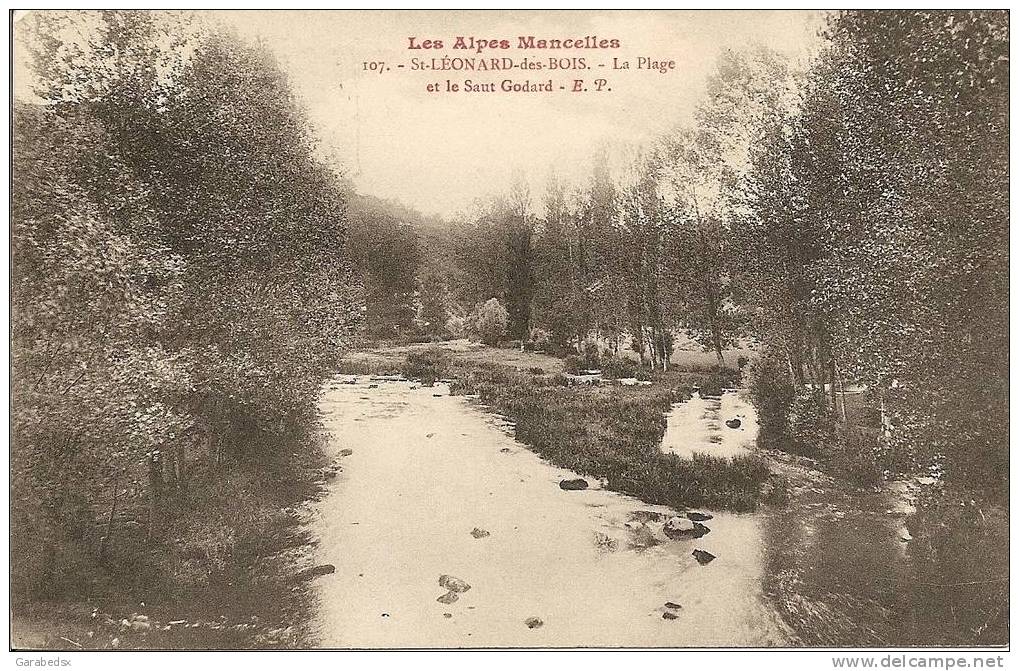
x: 490, y: 321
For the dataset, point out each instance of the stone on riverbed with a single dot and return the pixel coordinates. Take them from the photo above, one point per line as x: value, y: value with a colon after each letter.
x: 573, y: 485
x: 453, y: 584
x: 733, y: 423
x: 669, y: 616
x: 533, y: 622
x: 703, y: 556
x: 448, y: 598
x: 698, y: 517
x: 678, y: 528
x: 322, y: 569
x: 479, y: 533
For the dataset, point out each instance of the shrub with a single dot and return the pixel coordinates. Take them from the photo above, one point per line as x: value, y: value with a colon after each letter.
x: 573, y: 364
x: 488, y: 322
x: 771, y: 392
x: 541, y: 341
x: 720, y: 378
x: 456, y: 326
x: 614, y: 367
x: 853, y: 456
x: 812, y: 429
x: 428, y: 365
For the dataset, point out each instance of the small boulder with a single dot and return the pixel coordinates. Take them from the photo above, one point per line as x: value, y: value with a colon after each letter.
x: 448, y: 597
x: 533, y: 622
x: 573, y: 485
x: 669, y: 616
x: 733, y: 423
x: 447, y: 615
x: 703, y: 557
x: 678, y: 528
x: 373, y: 386
x: 505, y: 450
x: 346, y: 452
x: 672, y: 605
x: 479, y: 533
x: 453, y: 584
x: 322, y: 569
x: 698, y: 517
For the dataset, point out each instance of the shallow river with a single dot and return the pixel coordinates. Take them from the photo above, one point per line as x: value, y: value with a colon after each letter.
x: 426, y: 469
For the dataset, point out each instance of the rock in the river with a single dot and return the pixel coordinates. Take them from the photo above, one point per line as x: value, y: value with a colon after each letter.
x: 346, y: 452
x: 447, y: 615
x: 678, y: 528
x: 669, y: 616
x: 573, y: 485
x: 448, y: 597
x: 533, y: 622
x: 733, y: 423
x: 322, y: 569
x: 703, y: 556
x: 905, y: 537
x: 505, y: 450
x: 479, y: 533
x: 453, y: 584
x: 698, y: 517
x: 673, y: 606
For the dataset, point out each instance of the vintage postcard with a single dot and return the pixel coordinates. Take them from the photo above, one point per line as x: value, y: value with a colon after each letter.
x: 447, y: 329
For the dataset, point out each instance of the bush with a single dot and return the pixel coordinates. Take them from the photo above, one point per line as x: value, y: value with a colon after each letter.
x: 428, y: 365
x: 771, y: 392
x: 615, y: 367
x: 573, y: 364
x: 489, y: 321
x: 853, y: 456
x: 812, y: 429
x: 541, y: 341
x: 720, y: 378
x: 592, y: 358
x: 456, y: 326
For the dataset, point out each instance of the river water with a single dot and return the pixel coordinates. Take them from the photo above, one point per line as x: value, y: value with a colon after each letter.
x: 426, y: 469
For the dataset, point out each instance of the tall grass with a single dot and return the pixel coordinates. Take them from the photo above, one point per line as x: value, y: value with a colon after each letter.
x: 614, y: 433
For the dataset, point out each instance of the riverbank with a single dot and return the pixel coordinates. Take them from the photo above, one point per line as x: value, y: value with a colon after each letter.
x: 227, y: 573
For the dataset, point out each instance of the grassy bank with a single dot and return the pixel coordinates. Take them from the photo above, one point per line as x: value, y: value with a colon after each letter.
x: 223, y: 572
x: 604, y: 431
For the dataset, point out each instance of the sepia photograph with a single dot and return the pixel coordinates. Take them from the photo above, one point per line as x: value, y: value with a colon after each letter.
x: 426, y: 330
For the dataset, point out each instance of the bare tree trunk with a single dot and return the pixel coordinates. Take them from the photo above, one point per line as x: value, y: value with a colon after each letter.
x: 155, y: 491
x: 104, y: 542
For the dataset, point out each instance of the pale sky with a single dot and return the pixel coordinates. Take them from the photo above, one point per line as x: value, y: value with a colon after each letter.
x: 437, y: 152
